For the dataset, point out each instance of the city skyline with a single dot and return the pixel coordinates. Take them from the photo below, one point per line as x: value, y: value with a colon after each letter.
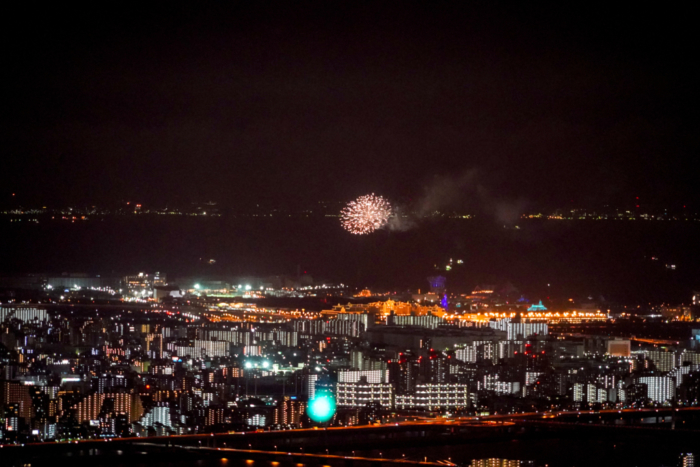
x: 349, y: 234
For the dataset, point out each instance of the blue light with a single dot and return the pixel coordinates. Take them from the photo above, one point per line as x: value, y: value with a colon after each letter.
x: 321, y: 408
x: 538, y: 307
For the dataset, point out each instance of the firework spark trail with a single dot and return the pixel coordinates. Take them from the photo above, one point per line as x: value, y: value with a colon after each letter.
x: 366, y: 214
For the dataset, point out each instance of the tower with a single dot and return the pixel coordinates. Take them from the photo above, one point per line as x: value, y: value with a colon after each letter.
x: 437, y: 285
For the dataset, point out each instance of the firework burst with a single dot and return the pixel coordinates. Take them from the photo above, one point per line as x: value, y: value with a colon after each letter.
x: 366, y: 214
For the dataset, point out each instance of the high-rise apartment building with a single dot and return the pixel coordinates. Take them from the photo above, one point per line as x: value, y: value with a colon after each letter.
x: 290, y: 411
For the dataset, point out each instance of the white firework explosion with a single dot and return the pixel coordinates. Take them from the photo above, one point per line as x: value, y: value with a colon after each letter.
x: 366, y: 214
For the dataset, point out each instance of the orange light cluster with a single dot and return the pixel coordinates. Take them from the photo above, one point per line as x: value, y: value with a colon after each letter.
x: 549, y: 316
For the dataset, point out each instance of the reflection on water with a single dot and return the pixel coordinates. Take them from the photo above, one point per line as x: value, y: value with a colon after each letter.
x: 492, y: 462
x: 558, y: 453
x: 573, y: 451
x: 570, y: 449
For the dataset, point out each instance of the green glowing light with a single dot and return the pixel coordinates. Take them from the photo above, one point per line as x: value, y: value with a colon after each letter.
x: 321, y: 409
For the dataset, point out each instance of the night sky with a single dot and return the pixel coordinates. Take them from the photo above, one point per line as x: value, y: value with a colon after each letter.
x: 298, y: 102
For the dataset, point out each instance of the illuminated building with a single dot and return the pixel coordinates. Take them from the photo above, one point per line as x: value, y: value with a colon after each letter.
x: 256, y: 420
x: 311, y: 386
x: 289, y: 411
x: 384, y: 309
x: 494, y: 383
x: 466, y: 354
x: 598, y: 393
x: 680, y: 371
x: 618, y: 348
x: 12, y: 418
x: 80, y: 281
x: 549, y: 317
x: 366, y: 319
x: 520, y: 330
x: 372, y: 376
x: 124, y: 403
x: 105, y: 383
x: 215, y: 416
x: 486, y: 350
x: 16, y: 394
x: 252, y: 351
x: 435, y: 396
x: 335, y: 327
x: 659, y: 388
x: 441, y: 338
x: 356, y: 359
x: 245, y: 337
x: 200, y: 349
x: 403, y: 373
x: 687, y: 460
x: 360, y: 393
x: 426, y: 321
x: 484, y: 291
x: 160, y: 413
x: 689, y: 356
x: 141, y: 285
x: 531, y: 377
x: 679, y: 311
x: 508, y: 348
x: 23, y: 313
x: 663, y: 360
x: 154, y: 345
x: 436, y: 368
x: 537, y: 307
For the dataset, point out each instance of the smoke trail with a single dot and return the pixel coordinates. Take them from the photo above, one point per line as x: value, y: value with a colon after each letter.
x: 465, y: 193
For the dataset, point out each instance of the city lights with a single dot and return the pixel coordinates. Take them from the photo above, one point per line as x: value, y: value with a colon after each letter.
x: 367, y: 234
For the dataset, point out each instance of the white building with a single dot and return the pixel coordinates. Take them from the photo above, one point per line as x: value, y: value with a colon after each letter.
x: 494, y: 383
x: 659, y: 388
x: 664, y: 361
x: 426, y: 321
x: 312, y: 386
x: 201, y: 348
x: 466, y: 354
x: 689, y: 356
x: 531, y: 377
x: 360, y: 393
x: 433, y: 396
x: 158, y: 414
x: 23, y: 314
x: 678, y: 373
x: 372, y: 376
x: 520, y: 330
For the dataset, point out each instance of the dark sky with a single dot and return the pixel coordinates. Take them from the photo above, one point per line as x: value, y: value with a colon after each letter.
x: 272, y: 102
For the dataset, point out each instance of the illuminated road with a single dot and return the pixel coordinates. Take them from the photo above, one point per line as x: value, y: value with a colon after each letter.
x: 631, y: 338
x: 555, y: 414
